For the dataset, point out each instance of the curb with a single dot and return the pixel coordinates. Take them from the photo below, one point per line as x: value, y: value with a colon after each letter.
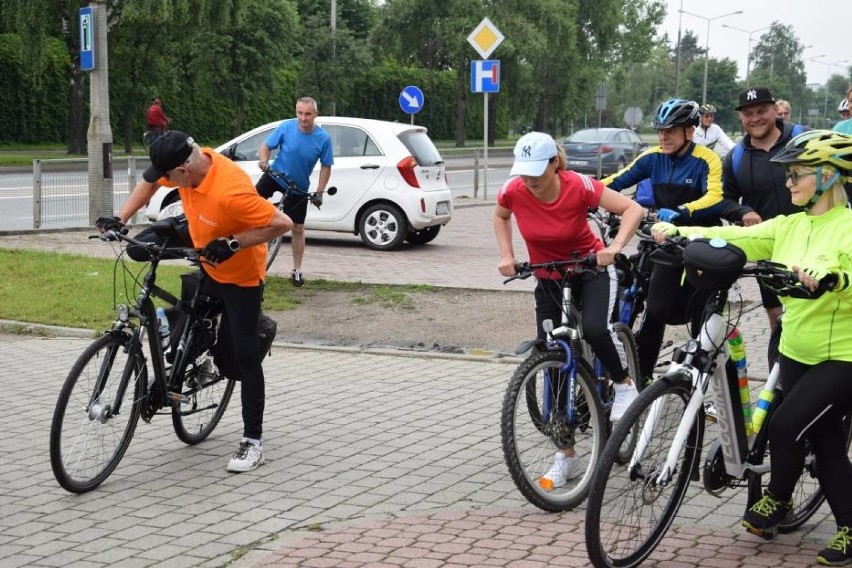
x: 474, y: 354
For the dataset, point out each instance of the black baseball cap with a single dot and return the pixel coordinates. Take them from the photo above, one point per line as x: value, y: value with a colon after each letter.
x: 168, y: 152
x: 755, y: 96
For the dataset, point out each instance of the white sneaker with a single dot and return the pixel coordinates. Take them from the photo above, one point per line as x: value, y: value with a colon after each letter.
x: 247, y: 457
x: 710, y: 411
x: 624, y: 396
x: 563, y: 469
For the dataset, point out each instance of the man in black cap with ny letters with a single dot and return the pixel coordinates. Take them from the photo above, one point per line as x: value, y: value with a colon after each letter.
x: 755, y: 190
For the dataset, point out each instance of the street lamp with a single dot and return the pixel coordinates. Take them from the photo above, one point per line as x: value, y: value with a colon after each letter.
x: 750, y: 33
x: 828, y: 66
x: 707, y: 46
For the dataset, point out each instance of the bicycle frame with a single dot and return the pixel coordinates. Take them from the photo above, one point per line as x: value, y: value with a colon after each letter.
x: 710, y: 370
x: 145, y: 312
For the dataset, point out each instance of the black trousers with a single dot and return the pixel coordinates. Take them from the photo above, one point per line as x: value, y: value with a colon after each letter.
x: 598, y: 295
x: 816, y: 398
x: 671, y: 300
x: 238, y: 337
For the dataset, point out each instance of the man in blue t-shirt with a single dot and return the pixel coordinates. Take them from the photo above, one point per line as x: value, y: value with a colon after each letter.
x: 301, y: 144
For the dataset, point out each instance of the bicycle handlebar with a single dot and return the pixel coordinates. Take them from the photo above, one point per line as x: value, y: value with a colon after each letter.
x: 155, y: 249
x: 288, y: 186
x: 784, y: 282
x: 564, y: 267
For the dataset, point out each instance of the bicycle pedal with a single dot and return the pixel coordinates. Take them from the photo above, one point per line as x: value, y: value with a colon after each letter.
x: 762, y: 533
x: 178, y: 397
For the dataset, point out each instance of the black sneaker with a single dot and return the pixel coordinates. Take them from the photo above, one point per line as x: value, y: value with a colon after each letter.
x: 297, y: 278
x: 839, y: 551
x: 763, y: 518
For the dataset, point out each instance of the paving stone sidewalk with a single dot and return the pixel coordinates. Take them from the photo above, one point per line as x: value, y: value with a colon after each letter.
x: 373, y: 458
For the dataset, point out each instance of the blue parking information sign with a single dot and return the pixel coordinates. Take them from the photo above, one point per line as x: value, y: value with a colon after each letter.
x: 87, y: 39
x: 411, y: 100
x: 485, y: 76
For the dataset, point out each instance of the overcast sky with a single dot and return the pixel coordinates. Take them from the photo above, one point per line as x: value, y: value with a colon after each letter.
x: 824, y: 24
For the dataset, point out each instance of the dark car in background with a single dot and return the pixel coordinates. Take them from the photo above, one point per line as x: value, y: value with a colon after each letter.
x: 614, y: 147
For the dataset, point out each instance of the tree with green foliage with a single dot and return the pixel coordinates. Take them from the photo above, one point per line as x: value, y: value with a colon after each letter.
x: 777, y: 63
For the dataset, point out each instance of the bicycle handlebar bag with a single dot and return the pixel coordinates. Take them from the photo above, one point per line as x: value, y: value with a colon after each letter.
x: 712, y: 264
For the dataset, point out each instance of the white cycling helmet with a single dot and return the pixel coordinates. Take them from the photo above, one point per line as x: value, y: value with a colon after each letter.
x: 843, y: 106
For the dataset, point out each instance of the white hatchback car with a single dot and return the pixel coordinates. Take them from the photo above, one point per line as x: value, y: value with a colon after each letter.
x: 390, y: 180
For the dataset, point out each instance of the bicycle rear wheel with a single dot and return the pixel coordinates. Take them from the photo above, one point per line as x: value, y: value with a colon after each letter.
x: 534, y: 427
x: 625, y: 336
x: 808, y: 496
x: 629, y: 511
x: 205, y: 397
x: 93, y: 422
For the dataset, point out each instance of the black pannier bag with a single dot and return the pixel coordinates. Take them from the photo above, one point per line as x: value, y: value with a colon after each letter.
x: 266, y: 326
x: 712, y: 264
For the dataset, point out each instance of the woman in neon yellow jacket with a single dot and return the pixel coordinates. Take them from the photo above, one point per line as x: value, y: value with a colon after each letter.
x: 816, y: 346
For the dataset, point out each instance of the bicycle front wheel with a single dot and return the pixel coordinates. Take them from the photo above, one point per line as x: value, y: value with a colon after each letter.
x: 630, y: 509
x: 272, y: 248
x: 97, y: 413
x: 204, y: 397
x: 536, y: 424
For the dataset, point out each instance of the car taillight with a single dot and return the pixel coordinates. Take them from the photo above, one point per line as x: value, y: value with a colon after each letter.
x: 605, y: 149
x: 406, y: 170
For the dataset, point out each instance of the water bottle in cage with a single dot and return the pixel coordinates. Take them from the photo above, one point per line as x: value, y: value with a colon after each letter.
x: 163, y: 328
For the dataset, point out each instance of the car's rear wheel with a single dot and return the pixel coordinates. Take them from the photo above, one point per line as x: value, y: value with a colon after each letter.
x: 423, y: 236
x: 383, y: 226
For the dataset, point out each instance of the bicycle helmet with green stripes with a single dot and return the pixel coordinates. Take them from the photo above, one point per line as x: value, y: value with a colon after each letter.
x: 817, y: 148
x: 675, y: 112
x: 706, y: 109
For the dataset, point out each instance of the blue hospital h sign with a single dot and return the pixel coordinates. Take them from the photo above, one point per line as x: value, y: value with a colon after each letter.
x: 485, y: 76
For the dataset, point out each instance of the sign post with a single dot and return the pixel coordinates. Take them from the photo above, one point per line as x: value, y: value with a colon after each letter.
x: 411, y: 100
x: 485, y: 78
x: 93, y: 58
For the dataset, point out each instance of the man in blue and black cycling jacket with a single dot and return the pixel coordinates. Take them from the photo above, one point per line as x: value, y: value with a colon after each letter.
x: 687, y: 187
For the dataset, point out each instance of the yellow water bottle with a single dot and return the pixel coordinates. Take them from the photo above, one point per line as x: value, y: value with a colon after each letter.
x: 764, y: 400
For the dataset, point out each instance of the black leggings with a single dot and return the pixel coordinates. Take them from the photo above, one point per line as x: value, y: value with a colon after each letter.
x: 597, y: 293
x: 816, y: 398
x: 671, y: 300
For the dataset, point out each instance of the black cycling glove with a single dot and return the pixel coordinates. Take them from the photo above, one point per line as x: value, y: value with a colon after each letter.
x: 109, y: 224
x: 217, y: 251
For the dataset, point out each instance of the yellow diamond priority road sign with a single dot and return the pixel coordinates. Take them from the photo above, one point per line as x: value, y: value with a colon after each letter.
x: 485, y: 38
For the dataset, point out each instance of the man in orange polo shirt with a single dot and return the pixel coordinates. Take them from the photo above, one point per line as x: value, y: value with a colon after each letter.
x: 231, y: 223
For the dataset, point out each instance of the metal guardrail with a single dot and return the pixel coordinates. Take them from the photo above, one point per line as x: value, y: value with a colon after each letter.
x: 61, y: 189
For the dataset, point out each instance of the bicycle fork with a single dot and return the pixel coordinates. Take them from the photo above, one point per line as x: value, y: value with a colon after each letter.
x: 560, y: 386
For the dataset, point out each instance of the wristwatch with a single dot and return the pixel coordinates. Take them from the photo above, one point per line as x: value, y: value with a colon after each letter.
x: 233, y: 243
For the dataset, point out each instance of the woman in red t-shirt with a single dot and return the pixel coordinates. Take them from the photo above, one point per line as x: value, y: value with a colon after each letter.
x: 550, y: 206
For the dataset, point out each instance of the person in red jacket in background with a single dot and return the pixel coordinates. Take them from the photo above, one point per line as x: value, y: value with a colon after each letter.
x: 158, y: 121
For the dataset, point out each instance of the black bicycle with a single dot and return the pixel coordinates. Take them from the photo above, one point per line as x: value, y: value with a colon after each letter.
x: 108, y: 388
x: 290, y: 195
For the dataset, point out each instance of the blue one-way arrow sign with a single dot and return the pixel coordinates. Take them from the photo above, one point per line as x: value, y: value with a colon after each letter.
x: 411, y: 100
